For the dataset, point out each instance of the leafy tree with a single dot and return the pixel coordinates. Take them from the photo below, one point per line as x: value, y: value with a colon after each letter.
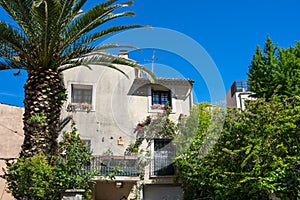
x: 50, y: 37
x: 275, y: 71
x: 256, y: 157
x: 35, y: 178
x: 198, y: 133
x: 196, y: 124
x: 73, y: 163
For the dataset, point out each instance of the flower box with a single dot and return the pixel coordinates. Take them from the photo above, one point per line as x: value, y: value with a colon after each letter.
x: 79, y: 107
x: 158, y: 107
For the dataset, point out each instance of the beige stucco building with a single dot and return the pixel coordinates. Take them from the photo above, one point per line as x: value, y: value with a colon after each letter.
x: 11, y: 134
x: 106, y: 106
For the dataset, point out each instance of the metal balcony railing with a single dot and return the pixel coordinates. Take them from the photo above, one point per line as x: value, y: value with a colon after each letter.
x: 162, y: 167
x: 240, y: 86
x: 118, y: 165
x: 163, y: 158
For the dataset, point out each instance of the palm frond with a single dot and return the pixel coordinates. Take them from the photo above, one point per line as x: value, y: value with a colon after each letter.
x: 91, y: 20
x: 20, y: 11
x: 86, y: 41
x: 77, y: 5
x: 54, y: 35
x: 45, y: 13
x: 123, y: 61
x: 114, y: 29
x: 68, y: 10
x: 77, y: 49
x: 83, y: 47
x: 105, y: 59
x: 10, y: 64
x: 64, y: 122
x: 89, y: 64
x: 112, y: 46
x: 12, y: 42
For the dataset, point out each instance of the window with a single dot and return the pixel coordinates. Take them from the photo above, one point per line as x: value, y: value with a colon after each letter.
x: 158, y: 97
x: 81, y: 97
x: 163, y: 157
x: 161, y: 98
x: 82, y: 93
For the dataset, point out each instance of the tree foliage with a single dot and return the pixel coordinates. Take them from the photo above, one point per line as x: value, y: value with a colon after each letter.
x: 153, y: 127
x: 31, y: 178
x: 198, y: 133
x: 73, y: 163
x: 275, y: 71
x: 256, y: 157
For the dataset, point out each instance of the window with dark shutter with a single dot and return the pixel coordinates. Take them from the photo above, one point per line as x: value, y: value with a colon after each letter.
x: 160, y: 99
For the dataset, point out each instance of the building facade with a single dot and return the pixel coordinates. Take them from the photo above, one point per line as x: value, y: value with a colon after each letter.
x: 106, y: 107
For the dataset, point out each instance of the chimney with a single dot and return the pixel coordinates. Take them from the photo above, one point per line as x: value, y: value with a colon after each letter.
x: 123, y: 54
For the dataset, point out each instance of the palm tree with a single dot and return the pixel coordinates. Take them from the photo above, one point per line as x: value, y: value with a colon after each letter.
x: 52, y: 36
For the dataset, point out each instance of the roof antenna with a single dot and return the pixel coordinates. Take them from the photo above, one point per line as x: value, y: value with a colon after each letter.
x: 152, y: 61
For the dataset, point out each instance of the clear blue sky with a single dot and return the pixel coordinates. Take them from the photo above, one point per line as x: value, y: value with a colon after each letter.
x: 228, y: 30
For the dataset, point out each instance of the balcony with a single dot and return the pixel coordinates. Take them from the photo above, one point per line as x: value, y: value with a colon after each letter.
x: 118, y: 165
x: 162, y: 163
x: 162, y: 167
x: 239, y: 86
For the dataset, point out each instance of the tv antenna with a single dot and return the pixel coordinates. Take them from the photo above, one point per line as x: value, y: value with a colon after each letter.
x: 153, y: 59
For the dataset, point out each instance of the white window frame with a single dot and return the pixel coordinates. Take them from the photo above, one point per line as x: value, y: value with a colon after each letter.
x: 82, y: 83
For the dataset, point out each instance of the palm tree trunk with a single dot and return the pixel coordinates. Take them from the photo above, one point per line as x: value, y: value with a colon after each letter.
x: 44, y: 95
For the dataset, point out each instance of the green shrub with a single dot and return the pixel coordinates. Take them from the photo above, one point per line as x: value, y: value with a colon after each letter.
x: 40, y: 177
x: 31, y: 178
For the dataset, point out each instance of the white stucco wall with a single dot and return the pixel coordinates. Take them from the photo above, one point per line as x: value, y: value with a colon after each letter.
x: 120, y: 103
x: 238, y: 99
